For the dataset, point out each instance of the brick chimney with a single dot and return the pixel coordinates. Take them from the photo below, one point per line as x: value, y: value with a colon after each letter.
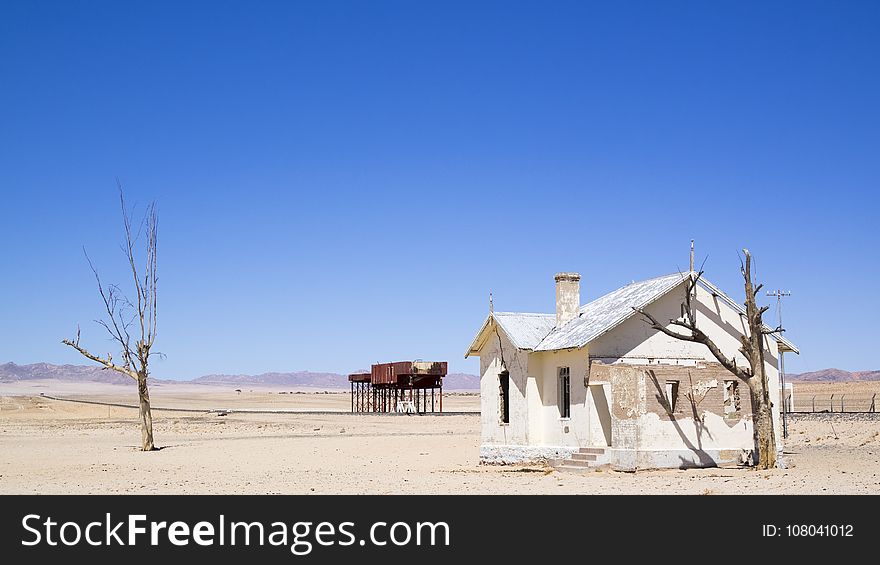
x: 568, y: 297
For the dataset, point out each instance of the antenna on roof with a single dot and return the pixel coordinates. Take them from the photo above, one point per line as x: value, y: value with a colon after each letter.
x: 491, y: 304
x: 692, y: 255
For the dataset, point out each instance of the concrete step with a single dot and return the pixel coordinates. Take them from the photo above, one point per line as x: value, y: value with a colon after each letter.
x: 591, y: 469
x: 566, y: 468
x: 592, y: 450
x: 575, y: 463
x: 583, y: 457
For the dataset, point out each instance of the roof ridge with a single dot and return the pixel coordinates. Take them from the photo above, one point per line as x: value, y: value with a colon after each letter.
x: 657, y: 278
x: 618, y: 289
x: 525, y: 313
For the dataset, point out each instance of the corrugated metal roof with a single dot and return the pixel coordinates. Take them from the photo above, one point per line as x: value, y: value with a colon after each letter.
x: 607, y: 312
x: 538, y: 332
x: 525, y: 330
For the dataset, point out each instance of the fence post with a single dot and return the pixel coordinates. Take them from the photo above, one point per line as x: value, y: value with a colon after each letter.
x: 872, y: 402
x: 814, y: 403
x: 841, y: 402
x: 831, y: 402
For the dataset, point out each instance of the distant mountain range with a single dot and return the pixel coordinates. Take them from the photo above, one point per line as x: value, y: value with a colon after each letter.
x: 299, y: 378
x: 11, y: 372
x: 835, y: 375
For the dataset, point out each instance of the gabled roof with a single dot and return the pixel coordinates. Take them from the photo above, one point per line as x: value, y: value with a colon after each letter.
x: 537, y: 332
x: 524, y: 330
x: 607, y: 312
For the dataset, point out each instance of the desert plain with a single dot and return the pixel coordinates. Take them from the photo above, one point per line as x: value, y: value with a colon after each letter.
x: 307, y: 442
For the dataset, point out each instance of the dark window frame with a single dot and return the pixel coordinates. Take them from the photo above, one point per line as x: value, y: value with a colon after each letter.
x: 504, y: 397
x: 563, y: 391
x: 671, y: 392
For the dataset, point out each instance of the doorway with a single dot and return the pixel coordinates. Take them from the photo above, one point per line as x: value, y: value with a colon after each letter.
x: 600, y: 419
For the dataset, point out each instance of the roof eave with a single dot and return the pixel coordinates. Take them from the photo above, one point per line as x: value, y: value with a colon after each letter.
x: 476, y: 345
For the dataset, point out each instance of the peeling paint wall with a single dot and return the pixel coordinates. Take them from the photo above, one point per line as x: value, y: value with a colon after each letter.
x: 508, y: 454
x: 628, y: 402
x: 694, y: 428
x: 634, y: 339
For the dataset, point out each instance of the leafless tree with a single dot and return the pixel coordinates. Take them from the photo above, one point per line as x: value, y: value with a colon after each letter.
x: 124, y: 316
x: 751, y: 347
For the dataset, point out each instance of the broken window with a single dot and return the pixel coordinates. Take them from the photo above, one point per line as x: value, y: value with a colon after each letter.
x: 504, y: 397
x: 731, y: 398
x: 564, y: 392
x: 671, y: 395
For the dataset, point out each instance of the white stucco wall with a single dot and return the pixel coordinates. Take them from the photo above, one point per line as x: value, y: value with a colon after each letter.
x: 724, y: 325
x: 712, y: 433
x: 496, y: 348
x: 543, y: 370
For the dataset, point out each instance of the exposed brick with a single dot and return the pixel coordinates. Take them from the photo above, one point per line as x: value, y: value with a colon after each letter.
x: 700, y: 389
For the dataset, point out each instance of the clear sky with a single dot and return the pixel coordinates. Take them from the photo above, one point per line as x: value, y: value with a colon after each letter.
x: 344, y: 183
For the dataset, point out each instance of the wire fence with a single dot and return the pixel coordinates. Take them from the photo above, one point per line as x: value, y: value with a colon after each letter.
x: 825, y: 402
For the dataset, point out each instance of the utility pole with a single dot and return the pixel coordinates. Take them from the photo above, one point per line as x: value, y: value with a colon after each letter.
x: 780, y: 294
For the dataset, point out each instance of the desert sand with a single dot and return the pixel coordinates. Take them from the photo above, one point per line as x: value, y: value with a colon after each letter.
x: 52, y: 447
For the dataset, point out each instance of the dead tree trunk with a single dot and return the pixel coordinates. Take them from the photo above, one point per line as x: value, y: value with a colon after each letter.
x: 752, y: 348
x: 123, y: 315
x: 759, y: 390
x: 762, y: 422
x: 145, y: 415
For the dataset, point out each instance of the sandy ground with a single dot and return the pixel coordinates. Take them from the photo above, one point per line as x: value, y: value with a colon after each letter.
x: 49, y: 446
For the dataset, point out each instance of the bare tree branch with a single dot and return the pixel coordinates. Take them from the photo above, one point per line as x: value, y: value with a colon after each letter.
x: 108, y: 362
x: 129, y: 248
x: 110, y: 305
x: 696, y: 336
x: 703, y: 264
x: 660, y: 327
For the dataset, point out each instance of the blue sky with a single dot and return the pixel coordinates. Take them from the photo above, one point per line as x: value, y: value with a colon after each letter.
x: 344, y: 183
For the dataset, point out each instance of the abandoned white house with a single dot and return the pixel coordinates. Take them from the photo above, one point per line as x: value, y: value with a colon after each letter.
x: 597, y: 382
